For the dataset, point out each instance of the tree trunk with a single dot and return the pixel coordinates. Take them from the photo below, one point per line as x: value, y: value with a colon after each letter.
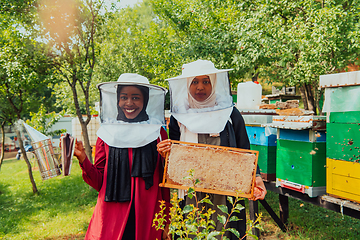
x: 23, y: 152
x: 255, y: 76
x: 3, y: 143
x: 85, y: 134
x: 319, y: 95
x: 308, y: 97
x: 303, y: 97
x: 311, y: 98
x: 83, y: 124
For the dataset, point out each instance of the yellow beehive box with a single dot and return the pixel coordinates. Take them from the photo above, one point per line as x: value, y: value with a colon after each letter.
x: 343, y: 179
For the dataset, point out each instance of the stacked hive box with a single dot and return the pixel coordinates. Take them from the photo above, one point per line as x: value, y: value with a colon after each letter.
x: 300, y: 156
x: 262, y: 140
x: 342, y: 104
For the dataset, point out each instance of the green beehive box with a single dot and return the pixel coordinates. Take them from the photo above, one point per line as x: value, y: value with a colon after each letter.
x: 345, y: 117
x: 301, y: 162
x: 266, y: 161
x: 343, y: 141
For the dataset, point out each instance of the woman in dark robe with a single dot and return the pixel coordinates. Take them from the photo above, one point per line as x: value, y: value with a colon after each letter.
x: 204, y: 98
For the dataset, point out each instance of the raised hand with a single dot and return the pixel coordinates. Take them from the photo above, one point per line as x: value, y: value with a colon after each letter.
x: 79, y: 151
x: 259, y: 190
x: 163, y: 147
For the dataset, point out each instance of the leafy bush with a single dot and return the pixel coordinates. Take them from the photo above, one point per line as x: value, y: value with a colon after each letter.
x: 194, y: 221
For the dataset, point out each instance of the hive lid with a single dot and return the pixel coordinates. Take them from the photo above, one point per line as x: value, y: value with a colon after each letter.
x: 298, y: 122
x: 340, y: 79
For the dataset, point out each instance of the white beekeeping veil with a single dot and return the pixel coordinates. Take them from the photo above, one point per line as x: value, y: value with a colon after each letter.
x: 119, y: 130
x: 209, y: 115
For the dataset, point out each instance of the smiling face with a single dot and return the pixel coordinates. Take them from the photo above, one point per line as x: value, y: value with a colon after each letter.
x: 200, y: 88
x: 131, y: 101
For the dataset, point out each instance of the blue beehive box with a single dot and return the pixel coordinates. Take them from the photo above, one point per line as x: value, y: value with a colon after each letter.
x: 257, y: 136
x: 262, y: 140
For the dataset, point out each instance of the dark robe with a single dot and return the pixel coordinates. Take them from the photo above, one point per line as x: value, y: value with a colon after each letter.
x: 233, y: 135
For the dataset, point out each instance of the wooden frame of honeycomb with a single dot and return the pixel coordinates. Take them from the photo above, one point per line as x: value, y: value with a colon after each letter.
x: 221, y: 170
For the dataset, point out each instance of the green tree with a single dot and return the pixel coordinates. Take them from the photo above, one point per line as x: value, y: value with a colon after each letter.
x: 6, y: 118
x: 312, y: 38
x: 43, y: 121
x: 24, y: 77
x: 135, y: 40
x: 291, y: 42
x: 71, y: 29
x: 205, y: 30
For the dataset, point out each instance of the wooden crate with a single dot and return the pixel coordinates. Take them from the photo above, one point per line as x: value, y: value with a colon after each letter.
x: 266, y: 161
x: 343, y: 141
x: 301, y: 162
x: 343, y: 179
x: 213, y: 167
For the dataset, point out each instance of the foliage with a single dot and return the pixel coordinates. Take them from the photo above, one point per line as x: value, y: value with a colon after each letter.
x: 18, y: 12
x: 7, y: 115
x: 195, y: 221
x: 310, y: 38
x: 71, y: 29
x: 63, y: 209
x: 24, y: 72
x: 205, y: 29
x: 134, y: 40
x: 287, y: 42
x: 43, y: 121
x: 65, y: 99
x: 291, y: 42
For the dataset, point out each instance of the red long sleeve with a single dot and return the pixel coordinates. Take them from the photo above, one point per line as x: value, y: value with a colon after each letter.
x: 93, y: 174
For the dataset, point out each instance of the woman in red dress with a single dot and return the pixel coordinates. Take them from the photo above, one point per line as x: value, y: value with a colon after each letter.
x: 127, y: 168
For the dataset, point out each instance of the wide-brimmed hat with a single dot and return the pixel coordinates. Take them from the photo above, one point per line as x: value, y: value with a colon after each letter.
x: 198, y: 68
x: 128, y: 79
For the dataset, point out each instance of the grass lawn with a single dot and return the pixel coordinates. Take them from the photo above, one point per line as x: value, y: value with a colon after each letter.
x: 61, y: 210
x: 64, y: 205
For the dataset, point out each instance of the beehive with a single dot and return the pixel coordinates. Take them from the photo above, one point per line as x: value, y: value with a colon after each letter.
x: 343, y: 136
x: 92, y: 128
x: 301, y: 153
x: 262, y: 141
x: 266, y: 161
x: 301, y: 162
x: 343, y: 179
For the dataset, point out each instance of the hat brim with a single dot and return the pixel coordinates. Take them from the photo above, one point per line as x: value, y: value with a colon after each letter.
x: 111, y: 86
x: 199, y: 74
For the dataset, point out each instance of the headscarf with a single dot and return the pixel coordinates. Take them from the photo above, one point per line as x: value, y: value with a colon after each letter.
x: 142, y: 116
x: 210, y: 101
x: 144, y: 159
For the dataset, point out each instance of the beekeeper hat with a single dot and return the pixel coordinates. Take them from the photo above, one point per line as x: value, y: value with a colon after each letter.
x: 198, y: 68
x: 129, y: 79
